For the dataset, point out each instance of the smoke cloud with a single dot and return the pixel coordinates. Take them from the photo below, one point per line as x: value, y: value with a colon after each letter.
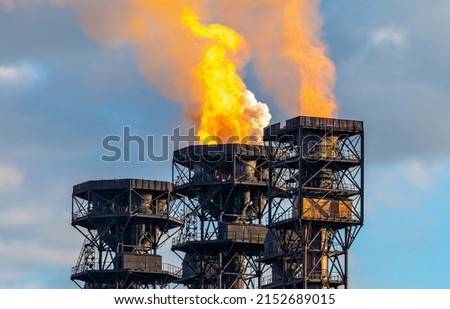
x: 290, y: 58
x: 282, y: 38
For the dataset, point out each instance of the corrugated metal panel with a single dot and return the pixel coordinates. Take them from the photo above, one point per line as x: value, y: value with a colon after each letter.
x: 317, y: 123
x: 142, y: 262
x: 243, y: 232
x: 121, y: 184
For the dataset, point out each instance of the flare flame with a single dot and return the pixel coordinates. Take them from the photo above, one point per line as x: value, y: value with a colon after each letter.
x: 198, y: 65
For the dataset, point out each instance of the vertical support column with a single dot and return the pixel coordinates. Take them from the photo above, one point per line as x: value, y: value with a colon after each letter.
x: 225, y: 193
x: 124, y: 222
x: 316, y: 194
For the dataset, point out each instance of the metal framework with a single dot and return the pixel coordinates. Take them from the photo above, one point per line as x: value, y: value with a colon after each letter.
x: 315, y: 201
x: 223, y: 192
x: 124, y: 223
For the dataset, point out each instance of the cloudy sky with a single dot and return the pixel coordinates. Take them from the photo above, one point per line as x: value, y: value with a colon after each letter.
x: 61, y: 93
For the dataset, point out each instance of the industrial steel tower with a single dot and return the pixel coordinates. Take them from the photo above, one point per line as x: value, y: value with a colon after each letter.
x: 124, y: 222
x: 291, y: 208
x: 315, y: 205
x: 223, y: 191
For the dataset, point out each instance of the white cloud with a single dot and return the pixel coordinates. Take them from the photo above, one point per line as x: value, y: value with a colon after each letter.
x: 17, y: 74
x: 402, y: 185
x: 391, y: 36
x: 10, y: 177
x: 36, y: 252
x: 19, y: 217
x: 419, y: 174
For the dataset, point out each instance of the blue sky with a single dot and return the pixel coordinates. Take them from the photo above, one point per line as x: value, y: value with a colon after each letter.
x: 61, y: 93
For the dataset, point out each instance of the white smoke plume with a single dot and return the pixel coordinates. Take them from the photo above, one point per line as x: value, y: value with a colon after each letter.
x: 258, y: 113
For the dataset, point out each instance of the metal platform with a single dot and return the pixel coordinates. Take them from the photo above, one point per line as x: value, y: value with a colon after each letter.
x: 316, y: 205
x: 124, y: 222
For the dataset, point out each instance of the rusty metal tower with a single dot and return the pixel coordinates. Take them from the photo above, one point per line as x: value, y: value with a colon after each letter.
x: 315, y: 206
x: 223, y: 192
x: 124, y: 222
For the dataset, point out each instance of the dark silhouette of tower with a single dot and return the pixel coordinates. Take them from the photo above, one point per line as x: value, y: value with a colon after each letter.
x: 315, y: 205
x: 279, y: 215
x: 124, y: 223
x: 223, y: 191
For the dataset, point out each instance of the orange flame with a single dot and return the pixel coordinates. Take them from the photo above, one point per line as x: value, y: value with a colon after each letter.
x: 289, y: 56
x: 306, y: 50
x: 222, y: 105
x: 197, y: 65
x: 224, y: 112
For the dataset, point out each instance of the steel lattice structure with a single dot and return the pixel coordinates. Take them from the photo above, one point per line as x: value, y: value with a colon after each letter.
x: 279, y: 215
x: 315, y: 201
x: 223, y: 191
x: 124, y: 222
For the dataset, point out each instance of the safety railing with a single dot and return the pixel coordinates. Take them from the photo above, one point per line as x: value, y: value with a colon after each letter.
x: 246, y: 236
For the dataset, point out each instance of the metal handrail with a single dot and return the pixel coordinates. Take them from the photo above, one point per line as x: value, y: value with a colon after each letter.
x: 230, y: 235
x: 85, y: 213
x: 172, y: 269
x: 165, y: 267
x: 266, y: 280
x: 86, y: 266
x: 315, y: 275
x: 343, y: 155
